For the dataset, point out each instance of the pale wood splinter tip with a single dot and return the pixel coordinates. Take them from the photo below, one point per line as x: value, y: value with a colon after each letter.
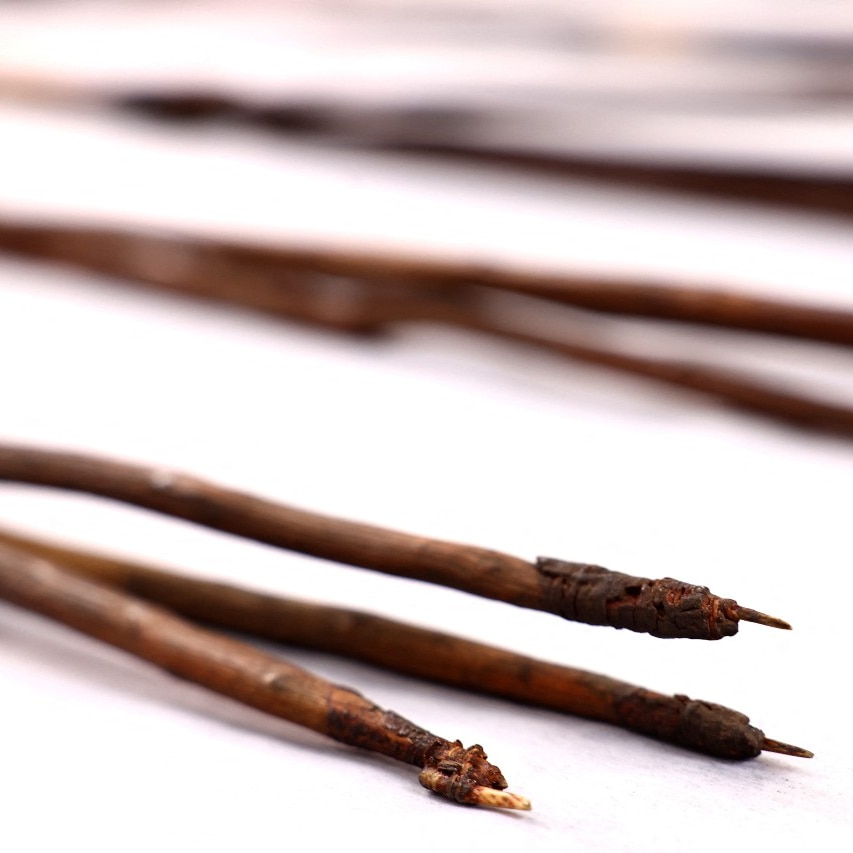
x: 771, y: 745
x: 500, y: 799
x: 750, y: 615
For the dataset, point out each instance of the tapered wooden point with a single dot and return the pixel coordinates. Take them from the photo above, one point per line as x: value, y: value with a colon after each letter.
x: 770, y: 745
x: 500, y: 799
x: 750, y: 615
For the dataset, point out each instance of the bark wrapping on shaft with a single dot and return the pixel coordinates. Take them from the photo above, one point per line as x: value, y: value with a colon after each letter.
x: 663, y: 608
x: 703, y: 726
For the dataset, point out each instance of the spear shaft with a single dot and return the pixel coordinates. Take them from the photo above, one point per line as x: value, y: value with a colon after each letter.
x: 578, y: 591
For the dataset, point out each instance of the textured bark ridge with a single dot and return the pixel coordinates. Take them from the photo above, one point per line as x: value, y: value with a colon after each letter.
x: 379, y: 730
x: 460, y: 774
x: 663, y: 608
x: 703, y: 726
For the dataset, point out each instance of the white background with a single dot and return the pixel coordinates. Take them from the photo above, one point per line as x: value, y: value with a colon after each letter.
x: 433, y: 432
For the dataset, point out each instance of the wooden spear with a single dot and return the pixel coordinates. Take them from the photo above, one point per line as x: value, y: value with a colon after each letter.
x: 578, y: 591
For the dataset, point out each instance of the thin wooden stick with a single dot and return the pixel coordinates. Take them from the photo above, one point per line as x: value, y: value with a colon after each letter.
x: 827, y: 193
x: 236, y: 275
x: 189, y: 264
x: 445, y: 132
x: 729, y: 388
x: 250, y: 676
x: 431, y: 131
x: 701, y: 726
x: 578, y: 591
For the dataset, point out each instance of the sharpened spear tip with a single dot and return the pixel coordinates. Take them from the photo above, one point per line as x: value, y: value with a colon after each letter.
x: 750, y: 615
x: 500, y: 799
x: 771, y: 745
